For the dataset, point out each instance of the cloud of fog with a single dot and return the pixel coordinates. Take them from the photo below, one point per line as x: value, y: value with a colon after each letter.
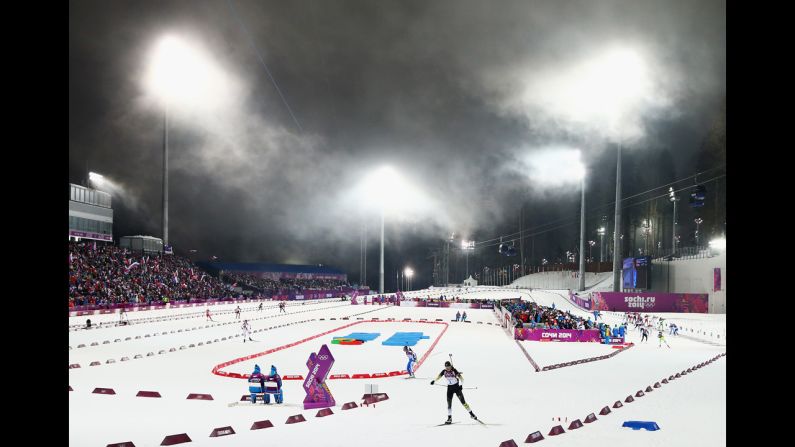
x: 123, y: 195
x: 608, y: 94
x: 457, y: 96
x: 551, y: 168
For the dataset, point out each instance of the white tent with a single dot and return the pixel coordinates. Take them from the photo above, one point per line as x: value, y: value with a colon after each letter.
x: 470, y: 282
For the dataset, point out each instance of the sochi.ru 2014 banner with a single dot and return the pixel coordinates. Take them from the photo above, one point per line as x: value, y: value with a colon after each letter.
x: 580, y: 335
x: 650, y: 302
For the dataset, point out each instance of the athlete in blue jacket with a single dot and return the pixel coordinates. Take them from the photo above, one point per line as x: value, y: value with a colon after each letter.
x: 412, y: 359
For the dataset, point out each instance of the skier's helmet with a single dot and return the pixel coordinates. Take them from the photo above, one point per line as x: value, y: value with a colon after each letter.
x: 446, y: 364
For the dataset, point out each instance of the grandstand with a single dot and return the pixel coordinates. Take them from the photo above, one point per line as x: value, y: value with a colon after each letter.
x: 109, y: 276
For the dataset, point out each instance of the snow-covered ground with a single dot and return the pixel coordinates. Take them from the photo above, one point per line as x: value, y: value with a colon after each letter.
x: 597, y: 282
x: 501, y: 385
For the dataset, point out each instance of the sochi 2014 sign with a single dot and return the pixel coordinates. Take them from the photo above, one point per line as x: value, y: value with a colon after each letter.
x: 650, y: 302
x: 318, y: 394
x: 579, y: 335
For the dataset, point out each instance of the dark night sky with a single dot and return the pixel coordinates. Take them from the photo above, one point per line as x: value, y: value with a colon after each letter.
x: 453, y: 93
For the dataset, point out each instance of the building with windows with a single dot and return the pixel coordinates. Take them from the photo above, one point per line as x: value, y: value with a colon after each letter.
x: 146, y: 244
x: 90, y: 214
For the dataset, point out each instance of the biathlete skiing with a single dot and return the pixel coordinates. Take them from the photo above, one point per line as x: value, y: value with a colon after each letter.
x: 454, y: 380
x: 661, y: 339
x: 412, y: 359
x: 246, y: 331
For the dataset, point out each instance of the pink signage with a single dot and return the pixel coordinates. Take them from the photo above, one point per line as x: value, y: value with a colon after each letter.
x: 578, y: 335
x: 90, y: 235
x: 650, y: 302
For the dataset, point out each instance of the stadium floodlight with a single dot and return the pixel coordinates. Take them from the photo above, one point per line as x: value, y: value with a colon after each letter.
x: 609, y: 87
x: 383, y: 187
x: 561, y: 166
x: 615, y: 84
x: 408, y: 273
x: 555, y: 166
x: 180, y: 75
x: 467, y: 246
x: 386, y: 188
x: 718, y: 244
x: 608, y: 93
x: 96, y: 178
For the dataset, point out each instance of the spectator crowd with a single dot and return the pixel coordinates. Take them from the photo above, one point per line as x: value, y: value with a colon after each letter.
x: 105, y: 275
x: 269, y: 287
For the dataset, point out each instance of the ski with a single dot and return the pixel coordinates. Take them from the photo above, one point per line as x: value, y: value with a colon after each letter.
x: 247, y: 403
x: 446, y: 424
x: 485, y: 424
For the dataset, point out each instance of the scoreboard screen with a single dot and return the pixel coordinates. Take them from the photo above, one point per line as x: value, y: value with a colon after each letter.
x: 637, y: 274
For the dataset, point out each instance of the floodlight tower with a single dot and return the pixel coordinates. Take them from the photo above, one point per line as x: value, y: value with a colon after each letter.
x: 178, y: 74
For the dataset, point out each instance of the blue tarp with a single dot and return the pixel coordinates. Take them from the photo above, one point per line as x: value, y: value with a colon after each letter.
x: 404, y: 339
x: 637, y: 425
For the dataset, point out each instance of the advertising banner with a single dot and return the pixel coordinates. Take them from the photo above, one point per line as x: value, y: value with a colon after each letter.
x: 275, y: 276
x: 90, y: 235
x: 425, y: 303
x: 716, y: 280
x: 650, y: 302
x: 578, y: 335
x: 579, y: 301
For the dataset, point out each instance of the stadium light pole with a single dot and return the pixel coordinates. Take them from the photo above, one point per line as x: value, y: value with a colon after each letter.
x: 557, y: 167
x: 582, y: 233
x: 467, y: 246
x: 698, y: 222
x: 673, y: 198
x: 608, y: 91
x: 178, y: 74
x: 385, y: 186
x: 409, y: 273
x: 617, y: 226
x: 165, y: 176
x: 601, y: 233
x: 381, y: 265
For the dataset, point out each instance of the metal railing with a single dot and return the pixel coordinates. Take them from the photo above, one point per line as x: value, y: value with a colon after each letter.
x: 682, y: 253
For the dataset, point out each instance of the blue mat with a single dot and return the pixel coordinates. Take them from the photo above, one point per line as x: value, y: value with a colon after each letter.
x: 637, y: 425
x: 404, y: 339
